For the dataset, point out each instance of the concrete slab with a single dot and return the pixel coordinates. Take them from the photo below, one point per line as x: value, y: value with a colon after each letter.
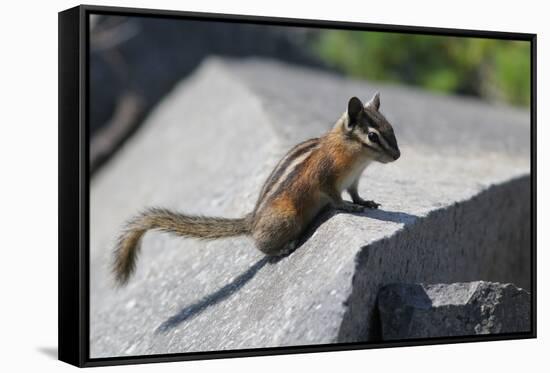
x: 455, y: 207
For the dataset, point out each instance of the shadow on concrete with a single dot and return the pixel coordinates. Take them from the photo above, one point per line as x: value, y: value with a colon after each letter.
x: 391, y: 216
x: 228, y: 290
x: 377, y: 214
x: 50, y: 352
x: 223, y: 293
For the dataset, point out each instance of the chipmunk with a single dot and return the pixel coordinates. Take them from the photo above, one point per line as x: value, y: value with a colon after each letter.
x: 312, y: 175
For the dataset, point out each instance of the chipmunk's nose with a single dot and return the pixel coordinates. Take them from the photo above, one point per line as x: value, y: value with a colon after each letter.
x: 396, y: 154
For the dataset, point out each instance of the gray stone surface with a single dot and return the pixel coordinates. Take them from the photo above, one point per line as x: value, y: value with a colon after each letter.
x: 455, y: 208
x: 458, y: 309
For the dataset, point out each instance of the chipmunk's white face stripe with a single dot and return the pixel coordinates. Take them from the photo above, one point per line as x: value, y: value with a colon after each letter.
x: 381, y: 138
x: 364, y: 136
x: 381, y: 145
x: 290, y: 162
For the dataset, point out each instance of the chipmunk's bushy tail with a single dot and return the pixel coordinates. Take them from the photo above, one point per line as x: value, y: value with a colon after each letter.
x: 201, y: 227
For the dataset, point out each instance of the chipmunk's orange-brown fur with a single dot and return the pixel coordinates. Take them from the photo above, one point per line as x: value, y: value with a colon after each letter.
x: 309, y: 177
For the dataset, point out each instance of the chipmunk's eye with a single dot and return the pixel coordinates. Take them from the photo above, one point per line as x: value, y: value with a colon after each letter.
x: 373, y: 137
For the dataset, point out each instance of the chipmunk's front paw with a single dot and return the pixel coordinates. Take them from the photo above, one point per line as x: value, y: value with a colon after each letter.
x: 369, y: 204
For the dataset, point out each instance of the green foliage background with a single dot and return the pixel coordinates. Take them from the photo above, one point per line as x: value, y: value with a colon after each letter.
x: 496, y: 70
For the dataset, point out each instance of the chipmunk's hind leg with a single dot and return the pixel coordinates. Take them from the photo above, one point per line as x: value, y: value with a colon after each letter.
x: 288, y: 248
x: 276, y: 237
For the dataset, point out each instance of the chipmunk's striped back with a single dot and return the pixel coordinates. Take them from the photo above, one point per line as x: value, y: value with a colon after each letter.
x: 282, y: 171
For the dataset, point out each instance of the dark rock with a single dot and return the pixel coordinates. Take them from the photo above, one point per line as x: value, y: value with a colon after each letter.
x: 459, y: 309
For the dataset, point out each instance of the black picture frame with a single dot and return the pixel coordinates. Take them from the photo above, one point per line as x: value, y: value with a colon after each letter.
x: 74, y: 177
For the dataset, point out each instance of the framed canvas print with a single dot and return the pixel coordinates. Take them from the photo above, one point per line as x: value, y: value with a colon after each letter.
x: 234, y: 186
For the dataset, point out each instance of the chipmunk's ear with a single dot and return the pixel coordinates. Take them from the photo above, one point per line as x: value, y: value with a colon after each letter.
x: 374, y: 101
x: 355, y: 108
